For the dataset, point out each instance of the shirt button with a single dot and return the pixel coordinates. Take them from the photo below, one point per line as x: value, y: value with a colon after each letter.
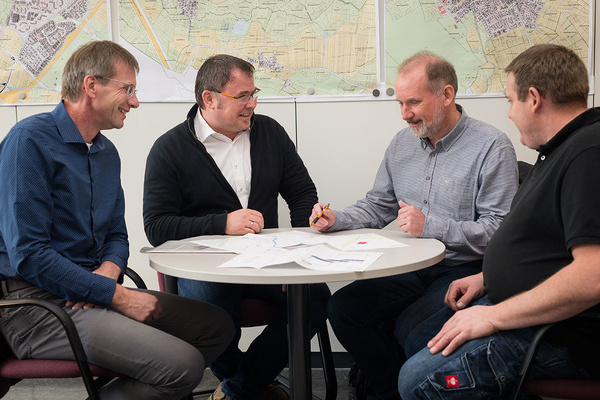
x: 428, y: 178
x: 425, y: 201
x: 542, y: 158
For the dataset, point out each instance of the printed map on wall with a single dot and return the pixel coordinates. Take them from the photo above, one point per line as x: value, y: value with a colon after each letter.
x: 36, y: 39
x: 299, y: 47
x: 480, y: 38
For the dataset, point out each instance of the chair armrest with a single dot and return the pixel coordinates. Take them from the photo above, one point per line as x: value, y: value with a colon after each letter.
x: 137, y: 280
x: 72, y: 335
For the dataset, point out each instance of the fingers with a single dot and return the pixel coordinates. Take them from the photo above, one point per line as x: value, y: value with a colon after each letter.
x: 244, y: 221
x: 321, y: 218
x: 81, y: 304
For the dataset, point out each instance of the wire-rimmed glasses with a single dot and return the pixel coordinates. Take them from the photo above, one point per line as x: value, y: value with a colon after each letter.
x: 131, y: 90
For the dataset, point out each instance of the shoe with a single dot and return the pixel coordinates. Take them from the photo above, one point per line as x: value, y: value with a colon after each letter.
x: 219, y: 395
x: 273, y: 392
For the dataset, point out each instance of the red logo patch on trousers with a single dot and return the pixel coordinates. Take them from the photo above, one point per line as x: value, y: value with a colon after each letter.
x: 452, y: 381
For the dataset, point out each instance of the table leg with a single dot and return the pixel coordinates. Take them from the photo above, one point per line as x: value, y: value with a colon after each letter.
x: 299, y: 342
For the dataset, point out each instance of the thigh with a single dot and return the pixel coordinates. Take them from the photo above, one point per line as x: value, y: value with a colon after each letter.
x: 376, y: 299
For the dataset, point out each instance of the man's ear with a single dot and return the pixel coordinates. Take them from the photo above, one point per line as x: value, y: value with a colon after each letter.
x: 448, y: 92
x: 90, y: 85
x: 209, y: 99
x: 534, y: 98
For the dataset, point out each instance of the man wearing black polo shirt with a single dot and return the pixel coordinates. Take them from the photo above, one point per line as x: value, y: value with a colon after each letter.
x: 542, y: 264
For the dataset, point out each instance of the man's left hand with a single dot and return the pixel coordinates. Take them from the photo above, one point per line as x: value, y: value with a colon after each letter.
x: 410, y: 219
x: 471, y: 323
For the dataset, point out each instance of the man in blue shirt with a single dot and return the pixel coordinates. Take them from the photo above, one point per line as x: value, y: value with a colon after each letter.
x: 63, y: 238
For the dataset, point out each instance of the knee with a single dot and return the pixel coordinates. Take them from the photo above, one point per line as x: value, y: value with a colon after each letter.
x: 337, y: 309
x: 187, y: 372
x: 410, y: 379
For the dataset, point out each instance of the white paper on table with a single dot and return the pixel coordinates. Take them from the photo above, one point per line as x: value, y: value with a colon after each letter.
x: 323, y: 258
x: 367, y: 241
x: 178, y: 246
x: 316, y: 257
x: 259, y: 258
x: 248, y: 242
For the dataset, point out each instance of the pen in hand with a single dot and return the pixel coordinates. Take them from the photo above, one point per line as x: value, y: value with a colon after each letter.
x: 314, y: 221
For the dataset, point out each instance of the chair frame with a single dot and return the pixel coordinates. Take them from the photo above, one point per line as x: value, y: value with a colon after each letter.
x: 73, y: 336
x: 522, y: 383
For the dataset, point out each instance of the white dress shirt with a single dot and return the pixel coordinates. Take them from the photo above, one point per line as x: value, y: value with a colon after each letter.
x: 232, y: 156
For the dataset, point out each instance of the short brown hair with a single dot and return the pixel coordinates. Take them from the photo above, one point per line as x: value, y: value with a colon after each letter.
x: 555, y: 71
x: 97, y: 58
x: 440, y: 72
x: 216, y: 71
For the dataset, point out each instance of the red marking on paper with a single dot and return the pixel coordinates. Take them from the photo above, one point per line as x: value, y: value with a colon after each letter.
x: 452, y: 381
x: 362, y: 243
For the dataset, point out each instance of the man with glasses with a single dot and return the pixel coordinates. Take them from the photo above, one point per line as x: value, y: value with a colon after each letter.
x: 220, y: 172
x: 63, y: 238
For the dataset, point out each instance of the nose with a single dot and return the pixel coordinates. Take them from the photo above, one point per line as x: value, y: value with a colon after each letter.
x: 406, y: 112
x: 134, y: 102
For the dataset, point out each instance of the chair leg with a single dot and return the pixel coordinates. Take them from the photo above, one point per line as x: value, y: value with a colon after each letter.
x: 328, y: 366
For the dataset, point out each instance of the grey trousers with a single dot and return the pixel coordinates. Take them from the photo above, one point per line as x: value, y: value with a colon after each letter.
x: 164, y: 359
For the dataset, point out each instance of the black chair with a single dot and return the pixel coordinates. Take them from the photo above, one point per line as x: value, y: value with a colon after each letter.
x: 574, y: 389
x: 13, y: 370
x: 256, y: 312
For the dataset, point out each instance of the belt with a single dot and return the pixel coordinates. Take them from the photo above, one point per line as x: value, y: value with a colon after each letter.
x: 10, y: 285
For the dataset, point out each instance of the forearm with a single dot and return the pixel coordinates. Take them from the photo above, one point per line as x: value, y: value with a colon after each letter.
x: 160, y: 229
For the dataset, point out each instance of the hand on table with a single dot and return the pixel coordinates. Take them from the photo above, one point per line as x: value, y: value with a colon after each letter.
x: 244, y: 221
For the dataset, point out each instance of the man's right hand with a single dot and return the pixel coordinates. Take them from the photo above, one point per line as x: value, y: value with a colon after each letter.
x: 326, y: 220
x: 240, y: 222
x: 140, y: 306
x: 463, y: 291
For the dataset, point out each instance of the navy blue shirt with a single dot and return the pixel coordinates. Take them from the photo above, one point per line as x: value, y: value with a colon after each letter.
x: 61, y: 208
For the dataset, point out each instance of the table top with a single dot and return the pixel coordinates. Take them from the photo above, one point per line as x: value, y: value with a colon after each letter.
x: 418, y: 254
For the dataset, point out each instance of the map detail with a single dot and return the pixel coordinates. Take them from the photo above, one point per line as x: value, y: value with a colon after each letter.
x: 36, y: 39
x: 325, y: 47
x: 481, y: 37
x: 298, y: 47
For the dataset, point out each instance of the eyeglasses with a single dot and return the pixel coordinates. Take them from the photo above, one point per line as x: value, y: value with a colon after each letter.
x: 131, y: 90
x: 244, y: 98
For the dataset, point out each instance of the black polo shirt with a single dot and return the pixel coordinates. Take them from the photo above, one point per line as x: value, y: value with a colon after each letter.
x: 556, y: 207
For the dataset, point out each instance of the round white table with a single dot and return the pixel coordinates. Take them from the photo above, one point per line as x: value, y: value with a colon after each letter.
x: 418, y: 254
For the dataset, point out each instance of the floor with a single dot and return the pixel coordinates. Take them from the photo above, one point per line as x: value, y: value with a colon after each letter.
x: 73, y: 389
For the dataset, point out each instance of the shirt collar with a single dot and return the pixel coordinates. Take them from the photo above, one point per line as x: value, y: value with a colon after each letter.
x: 68, y: 130
x: 447, y: 141
x: 203, y: 131
x: 586, y: 118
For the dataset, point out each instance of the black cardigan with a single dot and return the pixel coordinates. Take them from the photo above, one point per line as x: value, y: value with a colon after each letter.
x: 186, y: 195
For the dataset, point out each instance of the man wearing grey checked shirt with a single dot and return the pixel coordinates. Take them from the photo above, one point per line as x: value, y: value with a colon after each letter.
x: 447, y: 176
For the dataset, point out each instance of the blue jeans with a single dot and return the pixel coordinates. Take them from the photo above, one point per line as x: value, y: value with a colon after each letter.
x: 356, y: 312
x: 484, y: 368
x: 244, y: 375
